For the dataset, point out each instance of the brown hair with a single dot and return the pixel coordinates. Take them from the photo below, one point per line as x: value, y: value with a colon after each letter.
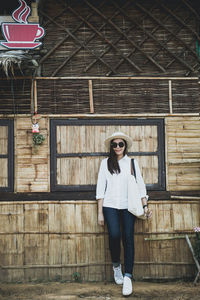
x: 113, y: 165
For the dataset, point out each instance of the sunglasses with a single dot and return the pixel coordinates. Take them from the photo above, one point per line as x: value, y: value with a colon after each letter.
x: 120, y: 144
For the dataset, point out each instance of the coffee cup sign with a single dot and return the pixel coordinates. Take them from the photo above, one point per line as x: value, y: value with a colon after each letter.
x: 21, y: 34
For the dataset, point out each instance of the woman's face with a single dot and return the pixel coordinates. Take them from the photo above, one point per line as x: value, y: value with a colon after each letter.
x: 118, y: 146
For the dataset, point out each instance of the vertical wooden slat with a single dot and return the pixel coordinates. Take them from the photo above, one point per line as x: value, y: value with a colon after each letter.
x: 170, y: 97
x: 35, y: 96
x: 91, y: 97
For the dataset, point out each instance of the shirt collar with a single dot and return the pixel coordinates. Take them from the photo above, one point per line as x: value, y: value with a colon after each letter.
x: 125, y: 157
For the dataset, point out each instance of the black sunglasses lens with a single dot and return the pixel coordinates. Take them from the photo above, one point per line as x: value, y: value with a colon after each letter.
x: 114, y: 145
x: 121, y: 144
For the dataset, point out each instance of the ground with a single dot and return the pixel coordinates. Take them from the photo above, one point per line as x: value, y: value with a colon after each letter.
x: 99, y: 291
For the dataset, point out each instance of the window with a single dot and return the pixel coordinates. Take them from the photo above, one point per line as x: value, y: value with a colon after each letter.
x: 77, y: 148
x: 6, y: 155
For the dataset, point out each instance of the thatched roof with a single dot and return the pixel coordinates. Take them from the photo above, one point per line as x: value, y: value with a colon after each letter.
x: 15, y: 61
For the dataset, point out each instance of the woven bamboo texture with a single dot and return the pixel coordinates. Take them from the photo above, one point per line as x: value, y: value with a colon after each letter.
x: 110, y: 38
x: 101, y: 96
x: 53, y: 240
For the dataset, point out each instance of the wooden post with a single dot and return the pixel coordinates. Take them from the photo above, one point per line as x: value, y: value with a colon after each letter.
x: 91, y: 97
x: 32, y: 95
x: 35, y: 95
x: 170, y: 97
x: 34, y: 13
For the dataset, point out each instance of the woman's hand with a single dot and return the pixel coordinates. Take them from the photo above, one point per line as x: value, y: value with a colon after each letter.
x: 147, y: 212
x: 100, y: 219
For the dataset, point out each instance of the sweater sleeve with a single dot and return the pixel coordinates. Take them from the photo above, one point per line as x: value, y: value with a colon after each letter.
x: 140, y: 181
x: 101, y: 181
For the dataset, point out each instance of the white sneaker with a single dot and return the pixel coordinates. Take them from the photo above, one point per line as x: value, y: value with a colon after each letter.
x: 127, y: 286
x: 118, y: 275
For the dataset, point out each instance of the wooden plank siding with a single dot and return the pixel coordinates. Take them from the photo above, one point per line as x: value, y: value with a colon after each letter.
x: 182, y: 140
x: 183, y: 153
x: 31, y: 169
x: 52, y: 240
x: 100, y: 60
x: 73, y: 140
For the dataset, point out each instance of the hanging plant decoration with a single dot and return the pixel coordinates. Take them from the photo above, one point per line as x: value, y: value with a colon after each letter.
x: 38, y: 138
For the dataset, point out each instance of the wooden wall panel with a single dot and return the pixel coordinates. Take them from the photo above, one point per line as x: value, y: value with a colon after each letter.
x: 4, y: 140
x: 4, y: 172
x: 68, y: 240
x: 32, y: 169
x: 183, y: 153
x: 72, y: 140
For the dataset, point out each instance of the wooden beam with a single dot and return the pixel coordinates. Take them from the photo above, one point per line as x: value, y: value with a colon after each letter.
x: 170, y: 97
x: 32, y: 96
x: 100, y: 116
x: 105, y: 78
x: 163, y: 238
x: 35, y: 96
x: 185, y: 197
x: 114, y: 78
x: 91, y: 97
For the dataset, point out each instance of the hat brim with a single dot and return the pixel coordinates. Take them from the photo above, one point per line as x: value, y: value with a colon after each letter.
x: 123, y: 137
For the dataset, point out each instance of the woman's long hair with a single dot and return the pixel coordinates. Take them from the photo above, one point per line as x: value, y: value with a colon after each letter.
x: 113, y: 166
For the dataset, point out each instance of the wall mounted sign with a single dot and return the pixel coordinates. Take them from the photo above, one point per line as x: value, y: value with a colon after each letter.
x: 21, y: 34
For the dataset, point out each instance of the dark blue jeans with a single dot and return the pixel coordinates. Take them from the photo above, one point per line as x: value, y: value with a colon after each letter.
x: 118, y: 220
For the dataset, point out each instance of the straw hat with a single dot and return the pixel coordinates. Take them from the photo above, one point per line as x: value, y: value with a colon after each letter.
x: 118, y: 135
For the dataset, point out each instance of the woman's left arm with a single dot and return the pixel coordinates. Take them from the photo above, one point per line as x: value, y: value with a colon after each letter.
x: 141, y: 184
x: 143, y: 191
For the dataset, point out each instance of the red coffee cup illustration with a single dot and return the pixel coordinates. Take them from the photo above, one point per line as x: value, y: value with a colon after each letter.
x: 21, y: 35
x: 15, y: 32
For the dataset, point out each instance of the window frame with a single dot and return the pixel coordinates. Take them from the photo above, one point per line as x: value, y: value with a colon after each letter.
x: 10, y: 154
x: 160, y: 153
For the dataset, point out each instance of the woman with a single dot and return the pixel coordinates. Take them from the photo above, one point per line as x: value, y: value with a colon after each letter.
x: 112, y: 199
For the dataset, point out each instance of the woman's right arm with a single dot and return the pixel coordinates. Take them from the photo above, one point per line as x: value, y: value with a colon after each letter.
x: 100, y: 192
x: 100, y: 212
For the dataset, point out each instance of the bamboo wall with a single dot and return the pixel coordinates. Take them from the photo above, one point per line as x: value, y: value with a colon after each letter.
x: 54, y: 239
x: 182, y: 143
x: 114, y: 38
x: 31, y: 169
x: 183, y: 153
